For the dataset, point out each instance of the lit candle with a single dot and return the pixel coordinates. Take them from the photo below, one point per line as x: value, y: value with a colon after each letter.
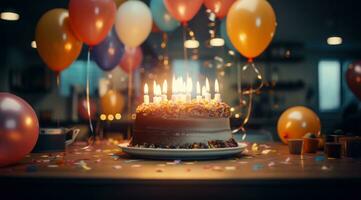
x: 165, y: 90
x: 207, y: 95
x: 157, y: 94
x: 189, y: 89
x: 146, y: 96
x: 199, y: 97
x: 174, y: 89
x: 217, y: 95
x: 183, y: 96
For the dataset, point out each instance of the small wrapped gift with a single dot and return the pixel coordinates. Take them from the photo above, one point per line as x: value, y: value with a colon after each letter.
x: 310, y: 143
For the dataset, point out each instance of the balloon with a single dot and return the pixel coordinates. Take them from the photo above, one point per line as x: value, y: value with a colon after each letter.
x: 56, y: 43
x: 83, y: 109
x: 297, y: 121
x: 183, y: 10
x: 250, y: 26
x: 119, y: 2
x: 112, y: 103
x: 131, y: 59
x: 155, y: 28
x: 353, y: 78
x: 19, y: 129
x: 224, y: 35
x: 91, y: 20
x: 219, y: 7
x: 108, y: 53
x: 133, y: 23
x: 162, y: 17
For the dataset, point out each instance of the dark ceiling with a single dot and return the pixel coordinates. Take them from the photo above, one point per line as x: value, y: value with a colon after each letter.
x: 306, y: 22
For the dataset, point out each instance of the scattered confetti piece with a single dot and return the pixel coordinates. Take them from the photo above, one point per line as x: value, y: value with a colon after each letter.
x: 319, y: 158
x: 257, y: 167
x: 44, y: 156
x: 46, y: 160
x: 230, y: 168
x: 287, y: 161
x: 189, y: 163
x: 265, y: 146
x: 130, y: 161
x: 217, y: 168
x: 271, y: 164
x: 242, y: 162
x: 136, y: 166
x: 83, y: 165
x: 266, y: 151
x: 31, y: 168
x: 117, y: 167
x: 98, y: 160
x: 324, y: 167
x: 255, y: 147
x: 53, y: 166
x: 159, y: 170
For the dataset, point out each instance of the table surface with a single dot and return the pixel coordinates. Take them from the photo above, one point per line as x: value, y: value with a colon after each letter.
x: 104, y: 172
x: 105, y: 161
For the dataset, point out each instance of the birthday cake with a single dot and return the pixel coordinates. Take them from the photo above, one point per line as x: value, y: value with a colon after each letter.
x: 197, y: 124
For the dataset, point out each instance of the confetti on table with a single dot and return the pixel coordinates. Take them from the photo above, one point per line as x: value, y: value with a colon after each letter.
x: 31, y: 168
x: 83, y: 165
x: 189, y: 163
x: 324, y: 167
x: 255, y: 147
x: 266, y: 151
x: 217, y: 168
x: 257, y: 167
x: 46, y: 160
x: 130, y: 161
x: 265, y: 146
x: 117, y: 167
x: 159, y: 170
x: 242, y: 162
x: 271, y: 164
x: 319, y: 158
x: 230, y: 168
x: 287, y: 161
x: 44, y: 156
x: 98, y: 160
x: 244, y: 136
x: 53, y: 166
x: 136, y: 166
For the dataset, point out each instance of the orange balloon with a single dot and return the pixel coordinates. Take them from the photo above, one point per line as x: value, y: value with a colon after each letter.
x: 183, y: 10
x: 112, y: 102
x: 297, y: 121
x: 251, y: 26
x: 56, y: 43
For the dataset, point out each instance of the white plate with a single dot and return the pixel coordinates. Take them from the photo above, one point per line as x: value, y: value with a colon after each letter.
x: 182, y: 154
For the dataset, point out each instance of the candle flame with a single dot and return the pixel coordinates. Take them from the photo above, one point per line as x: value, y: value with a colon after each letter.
x: 198, y: 88
x: 146, y: 89
x: 216, y: 86
x: 165, y: 87
x: 207, y: 85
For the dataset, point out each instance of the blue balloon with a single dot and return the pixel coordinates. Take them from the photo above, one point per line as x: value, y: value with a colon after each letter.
x: 108, y: 53
x: 224, y: 35
x: 162, y: 18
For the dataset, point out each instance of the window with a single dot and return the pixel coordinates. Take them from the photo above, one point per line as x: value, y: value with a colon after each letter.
x: 329, y: 85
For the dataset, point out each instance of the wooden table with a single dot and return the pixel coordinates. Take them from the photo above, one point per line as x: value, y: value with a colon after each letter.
x: 103, y: 172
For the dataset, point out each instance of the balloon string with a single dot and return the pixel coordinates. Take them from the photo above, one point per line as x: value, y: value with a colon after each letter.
x: 58, y: 88
x: 184, y: 48
x: 88, y: 93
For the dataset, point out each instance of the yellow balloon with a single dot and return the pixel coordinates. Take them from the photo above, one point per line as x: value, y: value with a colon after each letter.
x: 112, y: 103
x: 251, y: 26
x: 297, y: 121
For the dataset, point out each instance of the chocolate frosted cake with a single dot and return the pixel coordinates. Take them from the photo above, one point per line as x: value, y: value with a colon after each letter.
x: 196, y: 124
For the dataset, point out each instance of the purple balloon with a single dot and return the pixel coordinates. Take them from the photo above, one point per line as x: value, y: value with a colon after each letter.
x: 108, y: 53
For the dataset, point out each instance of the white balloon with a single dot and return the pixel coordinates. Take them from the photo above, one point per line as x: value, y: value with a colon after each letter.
x: 133, y: 23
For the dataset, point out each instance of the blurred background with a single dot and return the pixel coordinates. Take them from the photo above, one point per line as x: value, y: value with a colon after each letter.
x: 305, y: 64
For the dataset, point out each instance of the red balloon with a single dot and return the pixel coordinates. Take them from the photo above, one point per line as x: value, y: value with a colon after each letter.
x: 19, y: 129
x: 131, y: 59
x: 91, y: 20
x: 353, y: 78
x: 219, y: 7
x: 83, y: 109
x: 183, y: 10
